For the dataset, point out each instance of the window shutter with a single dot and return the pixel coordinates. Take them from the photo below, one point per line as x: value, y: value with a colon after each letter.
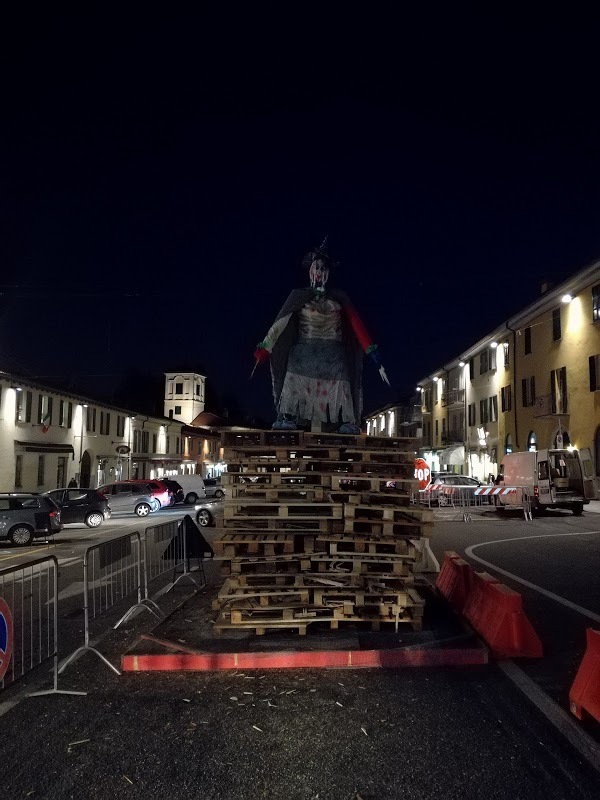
x: 593, y: 377
x: 532, y: 397
x: 524, y: 391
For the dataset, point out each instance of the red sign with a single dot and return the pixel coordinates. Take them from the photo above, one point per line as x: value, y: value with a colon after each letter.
x: 6, y: 637
x: 422, y: 472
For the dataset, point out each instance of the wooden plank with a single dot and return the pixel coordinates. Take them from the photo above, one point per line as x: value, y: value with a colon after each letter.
x: 241, y: 507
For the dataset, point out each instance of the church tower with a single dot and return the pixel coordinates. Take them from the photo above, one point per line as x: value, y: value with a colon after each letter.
x: 184, y: 395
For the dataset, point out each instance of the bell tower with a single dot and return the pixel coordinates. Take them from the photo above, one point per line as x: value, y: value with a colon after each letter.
x: 184, y: 395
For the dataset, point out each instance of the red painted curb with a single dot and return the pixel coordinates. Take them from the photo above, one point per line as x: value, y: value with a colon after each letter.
x: 205, y: 662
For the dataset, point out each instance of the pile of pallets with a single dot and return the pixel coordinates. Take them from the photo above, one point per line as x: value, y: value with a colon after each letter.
x: 318, y: 529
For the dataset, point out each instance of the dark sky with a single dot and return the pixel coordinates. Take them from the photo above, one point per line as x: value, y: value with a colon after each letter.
x: 162, y: 176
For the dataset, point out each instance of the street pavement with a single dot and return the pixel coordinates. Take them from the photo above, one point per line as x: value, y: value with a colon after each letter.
x: 322, y: 735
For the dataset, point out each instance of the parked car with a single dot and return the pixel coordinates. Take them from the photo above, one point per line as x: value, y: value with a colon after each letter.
x: 25, y: 517
x: 450, y: 479
x: 205, y: 512
x: 130, y: 496
x: 193, y: 487
x: 213, y: 488
x: 81, y: 505
x: 177, y: 495
x: 157, y: 489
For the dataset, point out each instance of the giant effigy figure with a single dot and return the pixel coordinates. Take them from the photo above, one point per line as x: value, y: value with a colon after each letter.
x: 316, y: 347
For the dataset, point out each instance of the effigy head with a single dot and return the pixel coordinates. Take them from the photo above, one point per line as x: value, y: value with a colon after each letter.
x: 318, y: 262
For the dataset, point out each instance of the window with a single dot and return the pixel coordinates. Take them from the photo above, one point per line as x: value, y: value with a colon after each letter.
x: 63, y: 416
x: 493, y: 408
x: 596, y: 303
x: 506, y: 348
x: 120, y: 425
x: 437, y: 429
x: 527, y: 341
x: 70, y: 415
x: 44, y: 410
x: 179, y: 388
x: 145, y: 441
x: 594, y: 373
x: 508, y: 443
x: 528, y: 391
x: 101, y: 423
x: 483, y: 362
x: 471, y: 368
x: 91, y: 420
x: 19, y: 407
x: 18, y: 472
x: 40, y: 475
x: 198, y: 390
x: 177, y: 444
x: 107, y: 429
x: 506, y: 398
x: 178, y: 409
x: 61, y: 471
x: 492, y: 357
x: 444, y: 428
x: 168, y: 444
x: 471, y: 414
x: 154, y: 442
x: 558, y: 387
x: 483, y: 411
x: 532, y: 442
x: 28, y: 405
x: 556, y: 333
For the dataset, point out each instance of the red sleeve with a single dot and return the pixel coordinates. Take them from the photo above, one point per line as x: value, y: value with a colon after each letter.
x: 359, y: 329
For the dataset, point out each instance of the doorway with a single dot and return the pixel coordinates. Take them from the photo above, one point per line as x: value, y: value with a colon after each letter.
x: 85, y: 470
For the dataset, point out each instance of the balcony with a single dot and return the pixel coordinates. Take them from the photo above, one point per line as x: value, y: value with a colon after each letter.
x: 453, y: 397
x: 453, y: 437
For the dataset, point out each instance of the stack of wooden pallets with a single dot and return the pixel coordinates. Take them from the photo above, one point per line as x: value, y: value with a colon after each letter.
x: 318, y: 528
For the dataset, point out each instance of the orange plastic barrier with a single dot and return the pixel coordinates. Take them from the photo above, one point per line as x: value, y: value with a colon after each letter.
x: 454, y: 580
x: 496, y: 613
x: 585, y: 692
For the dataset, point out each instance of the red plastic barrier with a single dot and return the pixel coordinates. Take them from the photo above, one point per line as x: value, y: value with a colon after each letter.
x: 454, y: 580
x: 585, y: 692
x: 496, y: 613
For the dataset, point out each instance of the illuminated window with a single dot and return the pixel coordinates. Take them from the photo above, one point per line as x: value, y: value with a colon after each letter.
x: 596, y: 303
x: 508, y: 443
x: 558, y: 386
x: 506, y: 398
x: 532, y: 442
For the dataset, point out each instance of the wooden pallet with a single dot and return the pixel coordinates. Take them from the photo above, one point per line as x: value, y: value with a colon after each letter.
x: 241, y: 507
x: 236, y: 545
x: 275, y: 479
x: 279, y: 453
x: 259, y: 438
x: 410, y: 530
x: 360, y: 441
x: 264, y: 566
x: 361, y: 564
x: 340, y: 544
x: 316, y: 580
x: 284, y: 524
x: 372, y: 483
x: 384, y: 513
x: 281, y: 494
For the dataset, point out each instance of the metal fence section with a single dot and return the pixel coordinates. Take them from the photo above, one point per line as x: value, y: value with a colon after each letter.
x: 167, y: 549
x: 29, y: 621
x: 112, y: 572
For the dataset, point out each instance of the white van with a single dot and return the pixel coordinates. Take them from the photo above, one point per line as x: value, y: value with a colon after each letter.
x: 193, y: 488
x: 555, y: 478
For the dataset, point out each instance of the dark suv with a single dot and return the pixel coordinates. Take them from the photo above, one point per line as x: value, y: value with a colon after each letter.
x: 81, y: 505
x: 25, y: 517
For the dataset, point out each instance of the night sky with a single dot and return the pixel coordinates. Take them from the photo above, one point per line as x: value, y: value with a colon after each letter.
x: 162, y: 177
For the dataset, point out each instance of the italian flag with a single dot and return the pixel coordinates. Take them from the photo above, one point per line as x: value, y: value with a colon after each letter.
x: 46, y: 422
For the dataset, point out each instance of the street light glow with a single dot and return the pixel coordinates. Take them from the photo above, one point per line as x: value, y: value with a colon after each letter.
x: 566, y: 298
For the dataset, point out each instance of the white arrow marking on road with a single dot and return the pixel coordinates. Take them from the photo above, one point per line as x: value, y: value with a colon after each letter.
x: 573, y: 606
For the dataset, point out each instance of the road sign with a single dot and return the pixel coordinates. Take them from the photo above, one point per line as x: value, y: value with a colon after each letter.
x: 422, y: 472
x: 6, y: 637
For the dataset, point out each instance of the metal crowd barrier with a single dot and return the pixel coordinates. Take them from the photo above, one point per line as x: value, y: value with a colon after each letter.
x: 124, y: 567
x: 112, y: 571
x: 29, y: 621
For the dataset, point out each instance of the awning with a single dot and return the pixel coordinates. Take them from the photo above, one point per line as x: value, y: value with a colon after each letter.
x: 452, y: 456
x: 46, y: 447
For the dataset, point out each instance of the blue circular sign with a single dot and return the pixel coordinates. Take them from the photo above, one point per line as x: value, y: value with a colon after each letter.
x: 6, y: 637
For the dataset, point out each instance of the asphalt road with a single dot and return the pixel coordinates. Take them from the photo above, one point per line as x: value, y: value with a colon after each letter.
x: 319, y: 735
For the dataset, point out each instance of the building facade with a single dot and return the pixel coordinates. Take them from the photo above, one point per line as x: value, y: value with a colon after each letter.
x: 534, y: 382
x: 184, y: 395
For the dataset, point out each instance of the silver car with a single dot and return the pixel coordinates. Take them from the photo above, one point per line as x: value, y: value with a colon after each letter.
x: 123, y: 496
x: 25, y: 517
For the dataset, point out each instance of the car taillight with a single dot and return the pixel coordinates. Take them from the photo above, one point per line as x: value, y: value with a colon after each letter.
x: 536, y: 491
x: 54, y: 514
